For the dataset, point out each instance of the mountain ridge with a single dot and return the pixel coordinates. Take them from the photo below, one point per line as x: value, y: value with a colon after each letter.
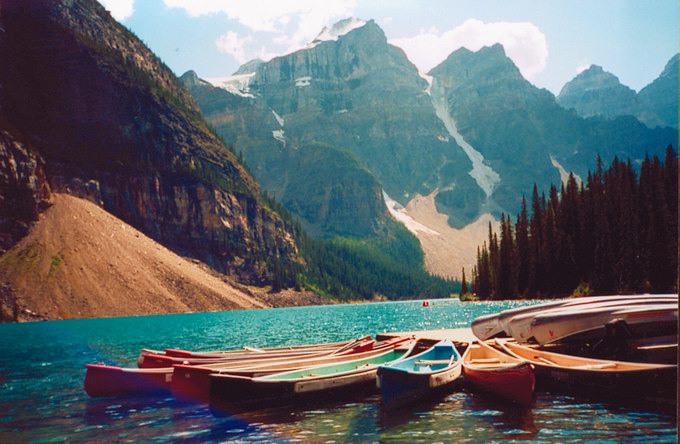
x: 595, y: 92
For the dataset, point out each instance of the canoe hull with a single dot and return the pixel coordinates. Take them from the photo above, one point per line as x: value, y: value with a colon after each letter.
x: 652, y: 386
x: 398, y: 388
x: 632, y: 383
x: 190, y: 384
x: 232, y: 394
x: 107, y: 380
x: 642, y: 323
x: 515, y: 383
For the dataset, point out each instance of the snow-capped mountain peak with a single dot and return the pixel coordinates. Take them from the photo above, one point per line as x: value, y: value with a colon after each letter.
x: 337, y: 30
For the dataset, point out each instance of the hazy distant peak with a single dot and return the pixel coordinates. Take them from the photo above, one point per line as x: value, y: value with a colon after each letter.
x: 671, y: 67
x: 593, y: 78
x: 487, y: 57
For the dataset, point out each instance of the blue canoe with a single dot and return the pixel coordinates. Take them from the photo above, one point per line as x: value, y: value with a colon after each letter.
x: 415, y: 377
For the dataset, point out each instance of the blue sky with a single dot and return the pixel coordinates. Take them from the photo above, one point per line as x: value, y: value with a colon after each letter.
x: 550, y: 41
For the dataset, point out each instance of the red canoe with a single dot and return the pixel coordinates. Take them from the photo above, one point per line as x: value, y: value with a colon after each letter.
x: 108, y: 380
x: 499, y: 374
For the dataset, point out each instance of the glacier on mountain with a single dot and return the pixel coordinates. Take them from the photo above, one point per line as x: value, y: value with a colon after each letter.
x: 237, y: 84
x: 484, y: 175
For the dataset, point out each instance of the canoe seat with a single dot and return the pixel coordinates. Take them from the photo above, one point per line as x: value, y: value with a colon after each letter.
x: 432, y: 362
x: 484, y: 361
x: 495, y: 365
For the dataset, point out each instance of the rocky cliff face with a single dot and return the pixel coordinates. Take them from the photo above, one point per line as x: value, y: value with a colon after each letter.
x: 658, y: 101
x: 24, y: 190
x: 327, y: 188
x: 360, y: 93
x: 113, y: 124
x: 596, y: 92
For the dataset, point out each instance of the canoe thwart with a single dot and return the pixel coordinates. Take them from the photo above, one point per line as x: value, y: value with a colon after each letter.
x: 485, y: 361
x: 545, y: 360
x: 432, y: 361
x: 596, y: 366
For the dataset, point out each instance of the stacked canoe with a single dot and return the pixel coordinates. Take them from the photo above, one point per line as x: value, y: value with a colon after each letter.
x: 579, y: 318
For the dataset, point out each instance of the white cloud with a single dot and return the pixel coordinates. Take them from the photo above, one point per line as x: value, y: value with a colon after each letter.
x: 266, y: 15
x: 582, y: 66
x: 524, y: 43
x: 230, y: 43
x: 120, y: 9
x: 293, y: 22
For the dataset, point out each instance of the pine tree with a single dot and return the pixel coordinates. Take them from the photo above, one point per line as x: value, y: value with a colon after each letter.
x: 505, y: 287
x: 522, y: 251
x: 536, y: 265
x: 463, y: 285
x: 483, y: 284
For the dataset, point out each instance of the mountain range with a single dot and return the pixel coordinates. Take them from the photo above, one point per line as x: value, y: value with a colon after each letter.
x: 472, y: 133
x: 596, y: 92
x: 347, y: 139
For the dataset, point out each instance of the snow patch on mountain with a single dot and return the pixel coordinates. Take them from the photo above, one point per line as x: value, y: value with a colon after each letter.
x: 399, y: 213
x: 303, y: 81
x: 237, y: 84
x: 429, y: 80
x: 564, y: 174
x: 484, y: 175
x: 278, y: 119
x: 337, y: 30
x: 447, y: 249
x: 280, y: 135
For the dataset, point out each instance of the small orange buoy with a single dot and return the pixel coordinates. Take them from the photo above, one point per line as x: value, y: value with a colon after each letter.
x: 426, y: 303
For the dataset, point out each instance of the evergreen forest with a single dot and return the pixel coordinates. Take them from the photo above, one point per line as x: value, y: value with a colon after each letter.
x: 615, y: 233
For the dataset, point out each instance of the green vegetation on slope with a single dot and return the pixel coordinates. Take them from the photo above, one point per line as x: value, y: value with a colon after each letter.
x: 391, y: 266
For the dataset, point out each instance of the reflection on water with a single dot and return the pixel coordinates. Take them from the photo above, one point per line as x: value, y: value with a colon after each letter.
x: 41, y: 376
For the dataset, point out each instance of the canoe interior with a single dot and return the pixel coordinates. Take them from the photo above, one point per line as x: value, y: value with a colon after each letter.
x: 338, y: 368
x: 438, y: 357
x: 551, y: 359
x: 480, y: 354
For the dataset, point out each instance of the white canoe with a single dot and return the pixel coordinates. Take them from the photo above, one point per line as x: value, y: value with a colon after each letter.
x: 550, y: 327
x: 489, y: 326
x: 520, y: 326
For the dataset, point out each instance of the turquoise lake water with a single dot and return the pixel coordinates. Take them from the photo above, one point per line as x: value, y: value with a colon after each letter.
x: 42, y: 371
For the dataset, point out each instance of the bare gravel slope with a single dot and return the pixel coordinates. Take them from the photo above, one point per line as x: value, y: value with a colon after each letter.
x: 80, y: 261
